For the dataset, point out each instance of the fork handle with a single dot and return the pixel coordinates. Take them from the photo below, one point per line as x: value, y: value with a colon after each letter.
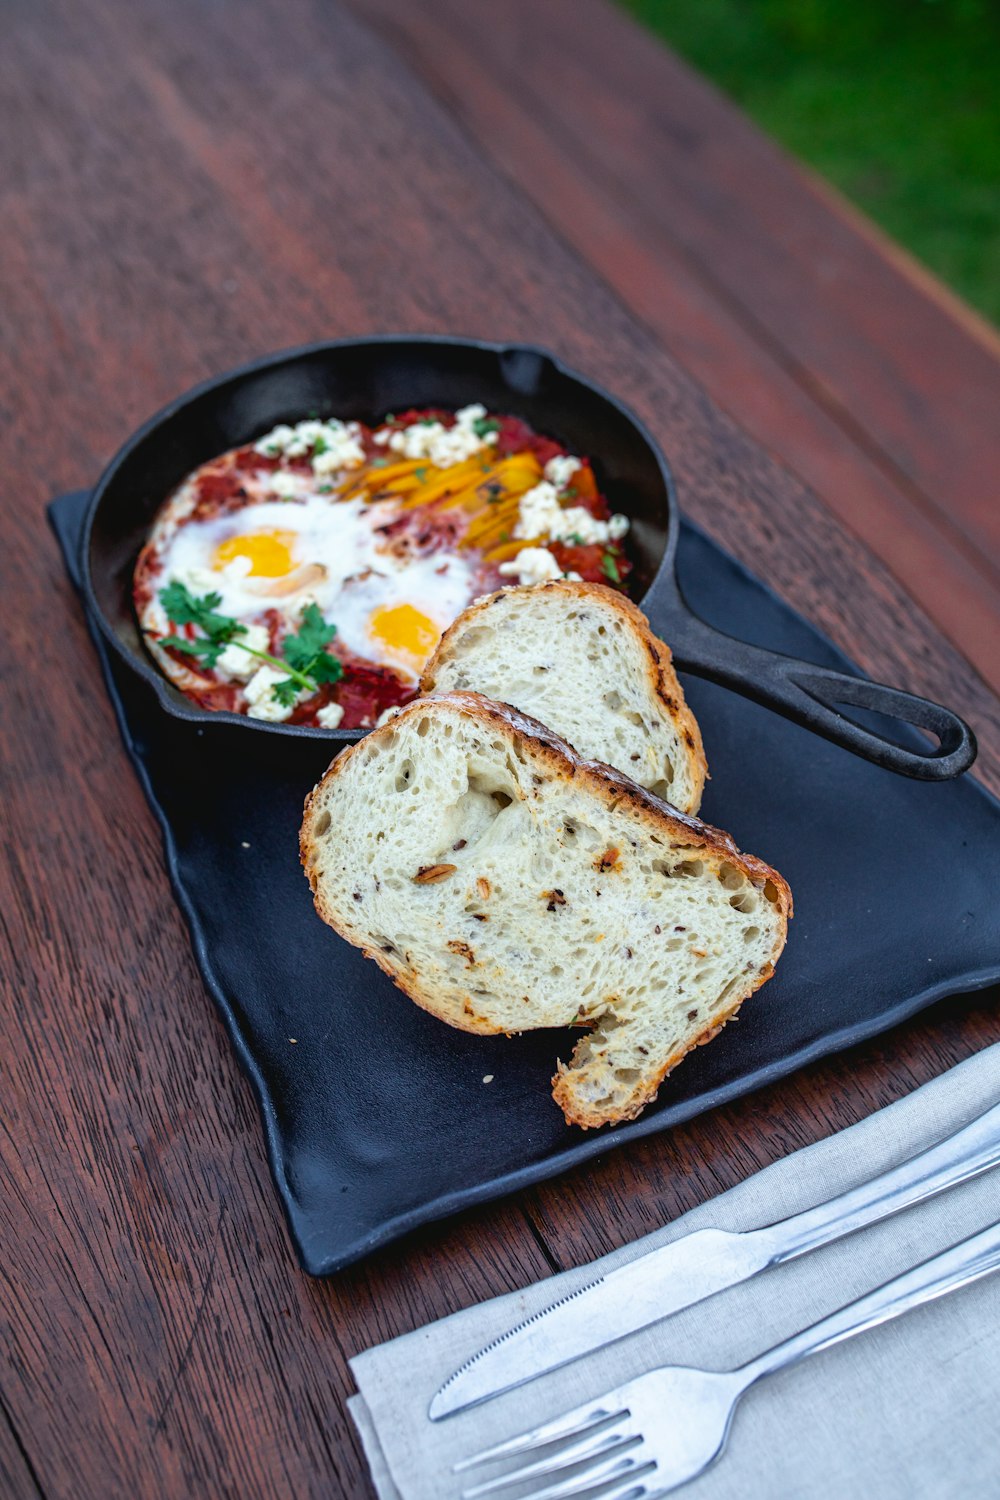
x: 972, y: 1150
x: 954, y: 1268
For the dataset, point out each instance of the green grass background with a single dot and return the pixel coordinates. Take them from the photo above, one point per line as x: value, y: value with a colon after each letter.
x: 896, y: 102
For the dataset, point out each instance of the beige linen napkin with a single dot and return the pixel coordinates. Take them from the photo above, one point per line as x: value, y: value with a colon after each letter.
x: 901, y: 1412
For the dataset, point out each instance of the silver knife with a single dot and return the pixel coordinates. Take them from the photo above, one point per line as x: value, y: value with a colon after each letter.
x: 701, y: 1263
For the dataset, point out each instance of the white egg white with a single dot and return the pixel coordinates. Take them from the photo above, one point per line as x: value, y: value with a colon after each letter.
x: 340, y: 563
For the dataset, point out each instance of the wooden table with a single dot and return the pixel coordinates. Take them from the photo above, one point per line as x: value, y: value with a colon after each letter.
x: 188, y: 185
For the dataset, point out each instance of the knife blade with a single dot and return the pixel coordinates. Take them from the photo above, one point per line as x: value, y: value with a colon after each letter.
x: 706, y: 1261
x: 624, y: 1300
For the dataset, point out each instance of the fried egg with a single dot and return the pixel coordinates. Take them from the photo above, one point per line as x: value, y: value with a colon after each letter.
x: 389, y: 606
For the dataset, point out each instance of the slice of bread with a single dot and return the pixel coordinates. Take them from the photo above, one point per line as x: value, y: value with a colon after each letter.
x: 505, y: 884
x: 580, y: 658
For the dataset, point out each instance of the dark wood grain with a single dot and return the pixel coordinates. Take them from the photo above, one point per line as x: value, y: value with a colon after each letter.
x: 185, y: 187
x: 825, y: 342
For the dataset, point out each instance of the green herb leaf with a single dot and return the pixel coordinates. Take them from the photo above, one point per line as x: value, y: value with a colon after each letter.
x: 206, y: 650
x: 306, y: 653
x: 185, y: 608
x: 320, y: 445
x: 285, y: 692
x: 483, y: 426
x: 609, y: 567
x: 300, y: 649
x: 577, y: 539
x: 326, y: 668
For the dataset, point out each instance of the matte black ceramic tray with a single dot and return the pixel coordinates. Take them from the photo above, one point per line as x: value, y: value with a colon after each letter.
x: 367, y: 1114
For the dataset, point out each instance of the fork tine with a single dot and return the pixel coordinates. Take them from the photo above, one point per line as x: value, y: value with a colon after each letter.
x: 570, y: 1424
x: 594, y: 1474
x: 586, y: 1447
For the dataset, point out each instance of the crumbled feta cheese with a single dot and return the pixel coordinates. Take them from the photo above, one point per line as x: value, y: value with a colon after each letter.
x: 330, y: 716
x: 343, y: 450
x: 560, y: 470
x: 541, y: 515
x: 275, y: 441
x: 334, y: 445
x: 387, y: 714
x: 258, y: 695
x: 285, y: 484
x: 534, y: 565
x: 235, y: 662
x: 442, y: 445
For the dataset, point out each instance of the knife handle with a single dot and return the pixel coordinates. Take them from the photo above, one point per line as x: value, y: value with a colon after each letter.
x: 967, y: 1153
x: 959, y: 1266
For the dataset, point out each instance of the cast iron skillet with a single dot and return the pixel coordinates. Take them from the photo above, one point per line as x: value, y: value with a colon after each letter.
x: 364, y: 378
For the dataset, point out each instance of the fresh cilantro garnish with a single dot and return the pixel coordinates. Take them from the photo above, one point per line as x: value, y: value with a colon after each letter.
x: 576, y: 539
x: 421, y: 475
x: 324, y: 489
x: 483, y: 426
x: 285, y: 692
x: 609, y: 567
x: 304, y: 655
x: 184, y: 608
x: 320, y: 445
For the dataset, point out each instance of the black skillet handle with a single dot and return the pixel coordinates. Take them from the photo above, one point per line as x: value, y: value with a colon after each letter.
x: 809, y: 695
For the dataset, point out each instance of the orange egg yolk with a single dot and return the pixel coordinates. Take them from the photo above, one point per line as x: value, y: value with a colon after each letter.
x: 404, y: 631
x: 269, y: 553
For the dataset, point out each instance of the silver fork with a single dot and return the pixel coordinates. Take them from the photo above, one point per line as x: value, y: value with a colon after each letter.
x: 654, y: 1433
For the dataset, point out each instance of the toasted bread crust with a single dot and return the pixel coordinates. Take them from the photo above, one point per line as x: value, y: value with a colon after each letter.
x: 658, y: 658
x: 615, y: 791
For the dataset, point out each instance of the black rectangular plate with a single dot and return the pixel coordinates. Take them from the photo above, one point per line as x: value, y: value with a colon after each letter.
x: 377, y: 1117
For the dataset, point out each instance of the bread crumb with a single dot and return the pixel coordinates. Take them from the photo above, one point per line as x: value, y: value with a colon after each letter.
x: 244, y: 844
x: 293, y: 1040
x: 488, y: 1078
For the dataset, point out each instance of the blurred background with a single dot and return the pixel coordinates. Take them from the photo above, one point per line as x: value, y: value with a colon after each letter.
x: 895, y: 102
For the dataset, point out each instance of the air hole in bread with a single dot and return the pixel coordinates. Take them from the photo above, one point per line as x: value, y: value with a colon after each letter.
x: 322, y: 824
x: 403, y: 776
x: 423, y: 726
x: 771, y: 893
x: 730, y: 877
x: 745, y: 902
x: 690, y: 867
x: 751, y: 934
